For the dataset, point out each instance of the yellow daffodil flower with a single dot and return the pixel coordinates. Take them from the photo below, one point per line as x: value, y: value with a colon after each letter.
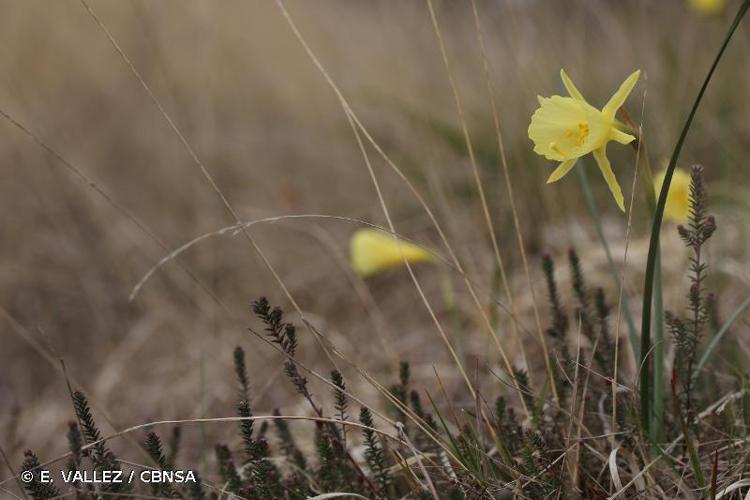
x: 566, y: 128
x: 678, y: 198
x: 708, y: 7
x: 373, y: 251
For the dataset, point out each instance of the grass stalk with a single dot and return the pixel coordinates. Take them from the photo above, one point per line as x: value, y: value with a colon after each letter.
x: 720, y: 335
x: 475, y: 171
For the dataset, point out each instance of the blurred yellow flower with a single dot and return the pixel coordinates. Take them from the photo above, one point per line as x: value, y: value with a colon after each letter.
x: 678, y: 198
x: 708, y: 7
x: 373, y: 251
x: 566, y: 128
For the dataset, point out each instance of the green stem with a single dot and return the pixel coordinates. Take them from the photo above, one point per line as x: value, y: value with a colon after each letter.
x: 648, y: 287
x: 657, y: 420
x: 693, y: 453
x: 589, y: 198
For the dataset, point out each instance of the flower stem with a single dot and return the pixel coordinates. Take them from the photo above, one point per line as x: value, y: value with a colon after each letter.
x: 589, y: 198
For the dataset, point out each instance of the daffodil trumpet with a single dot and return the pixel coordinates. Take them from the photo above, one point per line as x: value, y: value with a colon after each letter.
x: 677, y: 207
x: 372, y: 251
x: 708, y: 7
x: 565, y: 129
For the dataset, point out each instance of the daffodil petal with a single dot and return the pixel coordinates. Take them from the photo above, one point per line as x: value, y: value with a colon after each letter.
x: 570, y: 87
x: 622, y: 137
x: 561, y: 170
x: 619, y: 97
x: 601, y: 159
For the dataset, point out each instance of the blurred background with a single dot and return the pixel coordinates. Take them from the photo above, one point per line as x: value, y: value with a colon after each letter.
x: 268, y: 128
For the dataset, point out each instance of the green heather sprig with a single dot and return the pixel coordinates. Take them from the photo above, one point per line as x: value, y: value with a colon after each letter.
x: 102, y: 458
x: 154, y: 448
x: 688, y: 331
x: 36, y: 488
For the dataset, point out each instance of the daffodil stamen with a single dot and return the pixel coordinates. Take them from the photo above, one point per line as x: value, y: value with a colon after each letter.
x: 578, y: 135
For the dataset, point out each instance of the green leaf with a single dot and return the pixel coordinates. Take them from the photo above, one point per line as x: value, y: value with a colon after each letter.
x: 648, y: 287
